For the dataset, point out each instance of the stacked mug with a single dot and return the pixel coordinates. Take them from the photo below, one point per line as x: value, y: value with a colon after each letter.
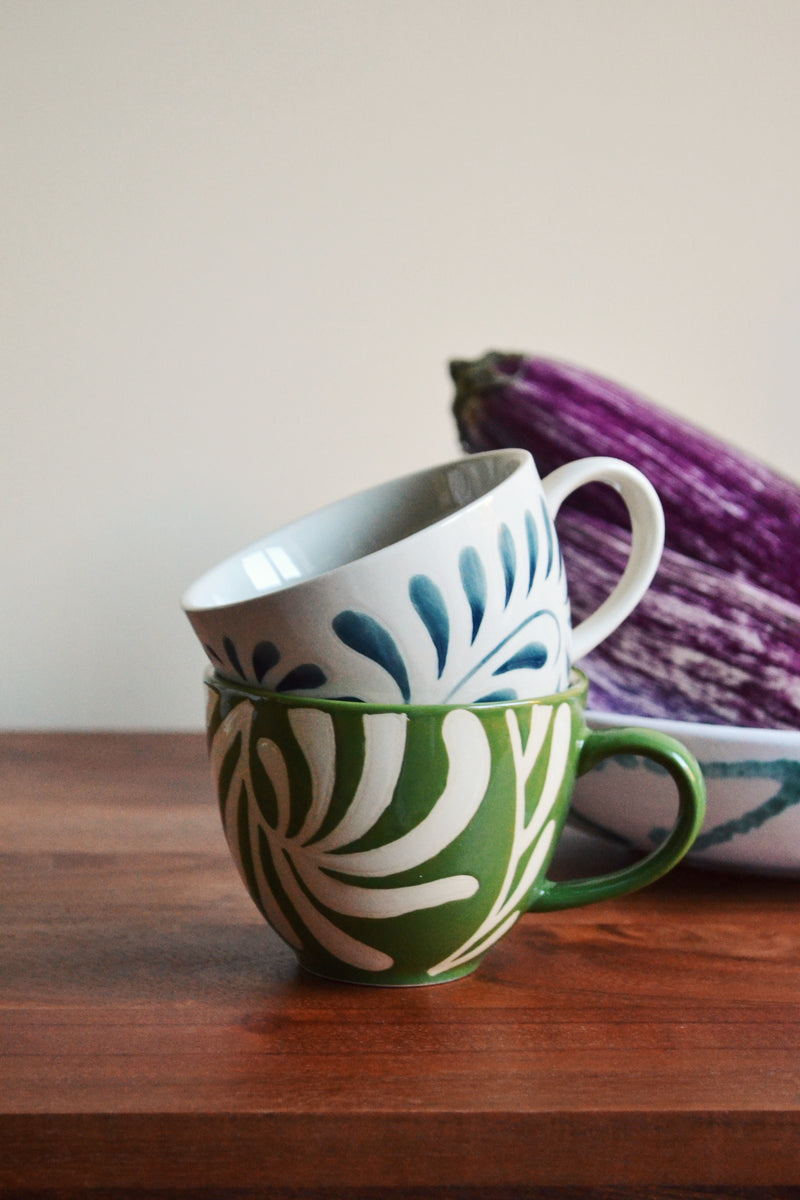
x: 395, y: 721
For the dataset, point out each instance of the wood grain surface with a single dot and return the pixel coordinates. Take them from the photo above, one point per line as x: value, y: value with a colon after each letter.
x: 156, y: 1038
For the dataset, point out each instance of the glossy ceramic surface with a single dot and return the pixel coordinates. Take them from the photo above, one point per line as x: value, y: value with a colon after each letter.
x: 395, y: 844
x: 752, y: 776
x: 446, y: 586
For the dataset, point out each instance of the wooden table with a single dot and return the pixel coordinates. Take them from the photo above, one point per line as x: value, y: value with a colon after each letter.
x: 157, y: 1038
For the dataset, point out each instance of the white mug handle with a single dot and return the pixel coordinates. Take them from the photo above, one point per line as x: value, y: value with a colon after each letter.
x: 647, y: 539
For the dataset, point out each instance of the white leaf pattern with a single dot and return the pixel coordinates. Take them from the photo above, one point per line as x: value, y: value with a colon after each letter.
x: 385, y: 743
x: 505, y: 911
x: 237, y: 723
x: 314, y: 733
x: 467, y: 780
x: 303, y: 866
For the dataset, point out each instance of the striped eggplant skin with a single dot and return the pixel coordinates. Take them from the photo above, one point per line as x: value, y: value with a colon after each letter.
x: 717, y: 637
x: 700, y: 646
x: 721, y: 506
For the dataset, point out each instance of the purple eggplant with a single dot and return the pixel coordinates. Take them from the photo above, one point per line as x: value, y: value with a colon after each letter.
x: 702, y: 645
x: 717, y: 636
x: 721, y: 506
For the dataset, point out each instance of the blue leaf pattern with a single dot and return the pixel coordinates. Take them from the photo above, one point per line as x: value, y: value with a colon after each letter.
x: 508, y: 556
x: 533, y: 546
x: 265, y: 657
x: 473, y: 581
x: 534, y: 616
x: 302, y: 678
x: 548, y: 527
x: 233, y: 656
x: 365, y: 635
x: 530, y: 658
x: 499, y: 697
x: 369, y: 637
x: 429, y: 603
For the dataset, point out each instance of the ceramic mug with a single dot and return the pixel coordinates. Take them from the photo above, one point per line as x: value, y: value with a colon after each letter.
x: 445, y: 586
x: 395, y: 844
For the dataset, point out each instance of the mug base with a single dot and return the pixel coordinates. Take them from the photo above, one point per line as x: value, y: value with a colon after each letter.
x: 389, y: 979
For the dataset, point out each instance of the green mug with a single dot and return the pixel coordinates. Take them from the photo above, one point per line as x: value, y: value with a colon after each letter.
x: 394, y: 844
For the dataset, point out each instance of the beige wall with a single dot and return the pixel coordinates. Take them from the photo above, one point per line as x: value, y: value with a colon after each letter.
x: 241, y: 239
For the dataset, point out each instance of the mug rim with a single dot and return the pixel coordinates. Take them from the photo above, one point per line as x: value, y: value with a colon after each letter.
x: 190, y: 606
x: 723, y: 734
x: 577, y: 690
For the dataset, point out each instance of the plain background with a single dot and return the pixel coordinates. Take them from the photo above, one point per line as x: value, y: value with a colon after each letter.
x: 241, y: 241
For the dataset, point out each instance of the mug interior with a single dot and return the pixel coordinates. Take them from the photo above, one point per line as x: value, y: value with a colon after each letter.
x: 352, y: 528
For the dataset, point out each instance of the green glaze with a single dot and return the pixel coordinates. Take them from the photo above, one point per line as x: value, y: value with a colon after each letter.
x: 673, y: 757
x: 395, y: 844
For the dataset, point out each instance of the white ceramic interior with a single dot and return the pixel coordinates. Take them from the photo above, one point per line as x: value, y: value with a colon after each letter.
x: 753, y: 787
x: 352, y: 528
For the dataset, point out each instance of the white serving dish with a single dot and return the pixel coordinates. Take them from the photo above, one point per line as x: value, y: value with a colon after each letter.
x: 752, y: 778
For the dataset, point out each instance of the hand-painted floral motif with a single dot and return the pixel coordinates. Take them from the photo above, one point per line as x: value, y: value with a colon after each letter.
x: 469, y: 654
x: 331, y: 847
x: 302, y: 877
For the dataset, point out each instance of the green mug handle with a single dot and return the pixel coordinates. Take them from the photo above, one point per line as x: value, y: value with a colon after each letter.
x: 685, y: 771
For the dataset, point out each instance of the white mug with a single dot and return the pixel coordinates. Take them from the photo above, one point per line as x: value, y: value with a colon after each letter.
x: 444, y: 586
